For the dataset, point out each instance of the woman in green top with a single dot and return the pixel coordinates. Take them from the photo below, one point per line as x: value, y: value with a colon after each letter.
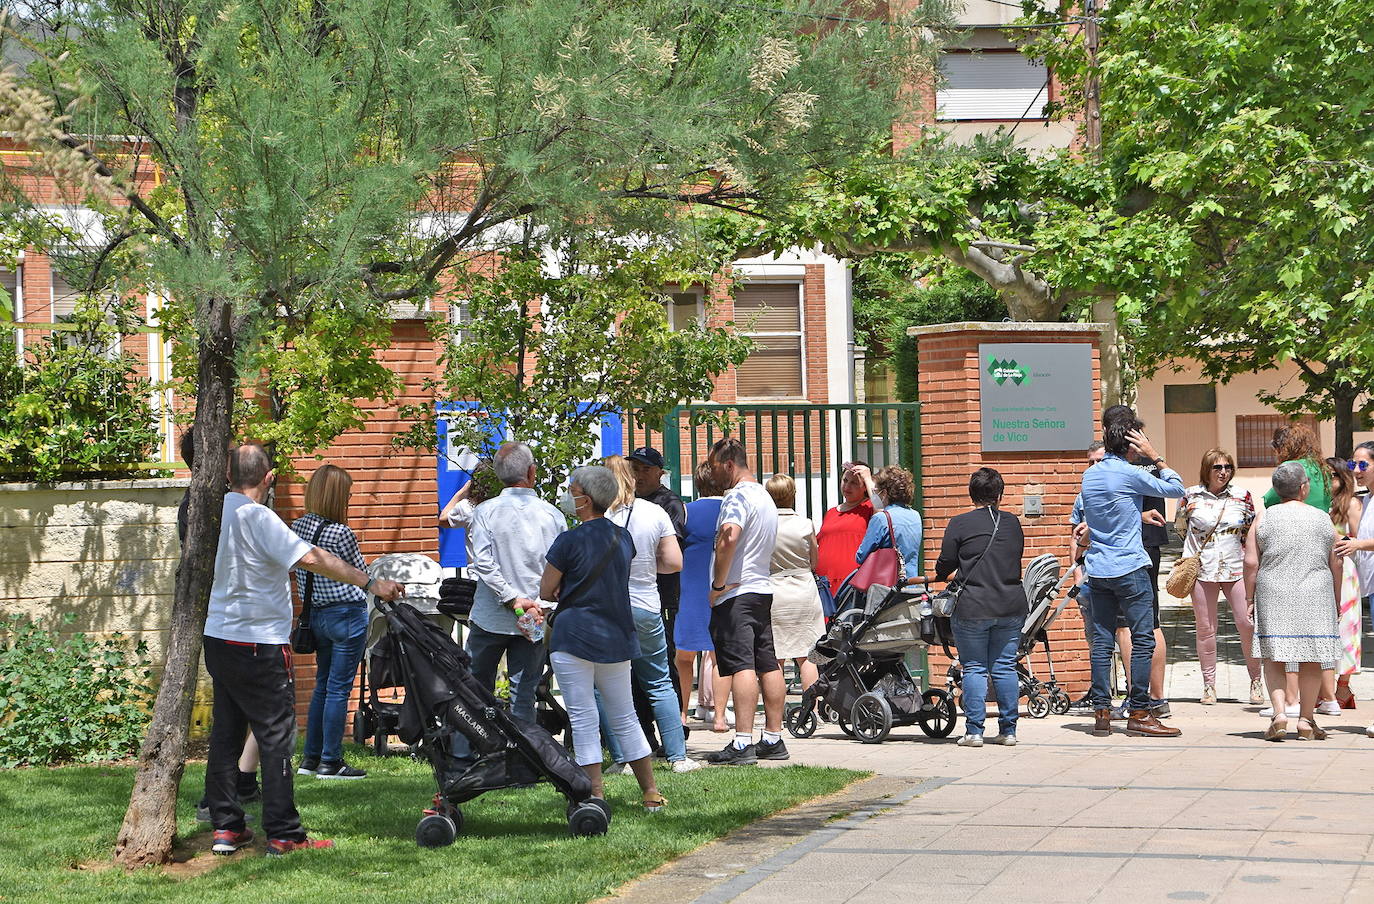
x: 1297, y: 443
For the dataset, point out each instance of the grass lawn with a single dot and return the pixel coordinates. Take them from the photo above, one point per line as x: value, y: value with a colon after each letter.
x: 515, y: 845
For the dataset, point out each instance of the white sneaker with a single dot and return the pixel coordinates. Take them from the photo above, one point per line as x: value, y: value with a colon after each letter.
x: 1006, y: 740
x: 1289, y: 711
x: 704, y: 714
x: 1329, y: 708
x: 687, y: 765
x: 970, y: 740
x: 614, y: 769
x: 1370, y: 731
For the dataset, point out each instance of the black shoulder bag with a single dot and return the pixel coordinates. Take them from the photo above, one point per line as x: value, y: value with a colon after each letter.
x: 945, y: 602
x: 591, y: 576
x: 303, y: 637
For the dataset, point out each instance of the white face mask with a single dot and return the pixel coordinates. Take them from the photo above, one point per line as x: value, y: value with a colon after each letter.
x: 568, y: 502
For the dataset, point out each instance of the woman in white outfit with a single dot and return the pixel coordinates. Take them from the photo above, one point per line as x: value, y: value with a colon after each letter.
x: 797, y: 617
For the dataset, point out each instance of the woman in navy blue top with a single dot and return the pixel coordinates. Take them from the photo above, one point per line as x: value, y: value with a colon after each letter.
x: 592, y: 634
x: 690, y: 630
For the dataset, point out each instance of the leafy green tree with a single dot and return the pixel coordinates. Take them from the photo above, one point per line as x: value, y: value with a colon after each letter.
x: 1245, y: 127
x: 324, y: 160
x: 594, y: 342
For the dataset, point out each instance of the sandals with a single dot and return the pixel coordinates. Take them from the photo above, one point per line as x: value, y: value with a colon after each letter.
x: 1278, y: 728
x: 655, y: 804
x: 1312, y: 732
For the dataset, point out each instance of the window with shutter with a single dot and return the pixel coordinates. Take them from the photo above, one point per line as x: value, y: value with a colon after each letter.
x: 64, y: 298
x: 1255, y: 437
x: 986, y: 85
x: 770, y: 314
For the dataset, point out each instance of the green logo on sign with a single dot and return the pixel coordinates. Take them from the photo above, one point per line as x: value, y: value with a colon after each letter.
x: 1002, y: 371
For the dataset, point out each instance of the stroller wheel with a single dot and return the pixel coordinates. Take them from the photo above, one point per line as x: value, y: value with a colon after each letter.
x: 801, y: 722
x: 827, y: 713
x: 872, y: 716
x: 438, y: 829
x: 1059, y: 702
x: 1038, y: 706
x: 589, y: 818
x: 937, y: 714
x: 844, y: 725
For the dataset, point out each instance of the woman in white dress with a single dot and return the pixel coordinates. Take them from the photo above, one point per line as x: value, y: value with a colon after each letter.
x: 797, y: 618
x: 1294, y: 576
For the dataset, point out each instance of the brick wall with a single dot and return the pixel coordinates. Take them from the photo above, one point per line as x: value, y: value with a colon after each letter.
x: 951, y: 451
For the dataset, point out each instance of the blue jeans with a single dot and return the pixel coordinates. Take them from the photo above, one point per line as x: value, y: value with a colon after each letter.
x: 340, y: 632
x: 650, y: 669
x: 1133, y: 596
x: 988, y: 646
x: 524, y: 666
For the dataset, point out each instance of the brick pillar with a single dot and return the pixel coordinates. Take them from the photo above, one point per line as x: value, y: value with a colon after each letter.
x: 951, y: 447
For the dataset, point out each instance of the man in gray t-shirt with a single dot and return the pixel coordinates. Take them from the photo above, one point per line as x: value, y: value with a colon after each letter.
x: 741, y: 607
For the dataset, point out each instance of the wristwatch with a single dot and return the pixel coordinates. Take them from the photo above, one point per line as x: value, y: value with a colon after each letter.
x: 1159, y: 461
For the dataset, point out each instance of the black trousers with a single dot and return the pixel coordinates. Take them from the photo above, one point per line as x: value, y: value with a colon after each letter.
x: 253, y: 688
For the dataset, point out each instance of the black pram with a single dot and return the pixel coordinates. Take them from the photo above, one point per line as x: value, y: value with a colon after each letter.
x: 444, y: 699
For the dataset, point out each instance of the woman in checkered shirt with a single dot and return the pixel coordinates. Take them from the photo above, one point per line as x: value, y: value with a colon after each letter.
x: 338, y: 615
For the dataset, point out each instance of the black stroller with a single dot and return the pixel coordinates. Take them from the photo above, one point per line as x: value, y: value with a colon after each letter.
x: 443, y: 700
x: 1042, y: 583
x: 864, y: 683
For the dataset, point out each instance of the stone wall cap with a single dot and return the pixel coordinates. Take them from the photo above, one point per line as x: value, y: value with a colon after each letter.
x: 1028, y: 326
x: 152, y: 483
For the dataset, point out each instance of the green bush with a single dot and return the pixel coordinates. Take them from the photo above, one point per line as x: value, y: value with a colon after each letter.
x: 70, y: 699
x: 74, y: 409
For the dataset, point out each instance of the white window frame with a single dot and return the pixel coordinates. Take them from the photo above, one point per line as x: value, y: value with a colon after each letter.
x: 672, y: 303
x: 799, y: 334
x: 115, y: 348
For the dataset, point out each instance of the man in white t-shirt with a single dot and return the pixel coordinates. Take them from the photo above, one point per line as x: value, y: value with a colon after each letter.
x: 248, y: 654
x: 656, y: 552
x: 741, y: 607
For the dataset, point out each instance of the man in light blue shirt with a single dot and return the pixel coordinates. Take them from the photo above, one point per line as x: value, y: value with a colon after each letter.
x: 1118, y: 566
x: 508, y: 538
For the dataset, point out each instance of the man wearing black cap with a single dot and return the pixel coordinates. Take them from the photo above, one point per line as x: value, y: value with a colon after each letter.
x: 647, y: 464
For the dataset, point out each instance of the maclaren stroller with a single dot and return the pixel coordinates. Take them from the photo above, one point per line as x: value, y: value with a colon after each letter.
x: 864, y: 681
x: 1042, y: 583
x: 442, y: 701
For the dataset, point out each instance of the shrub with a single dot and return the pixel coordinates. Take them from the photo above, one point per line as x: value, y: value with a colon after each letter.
x: 70, y: 699
x: 74, y: 409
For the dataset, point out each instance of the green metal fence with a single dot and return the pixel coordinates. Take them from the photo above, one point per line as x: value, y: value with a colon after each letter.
x: 809, y: 442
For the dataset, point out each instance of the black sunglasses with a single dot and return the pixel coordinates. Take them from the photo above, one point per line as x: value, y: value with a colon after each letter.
x: 1223, y: 467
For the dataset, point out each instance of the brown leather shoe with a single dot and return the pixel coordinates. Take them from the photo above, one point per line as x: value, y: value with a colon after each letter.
x: 1143, y: 724
x: 1102, y: 724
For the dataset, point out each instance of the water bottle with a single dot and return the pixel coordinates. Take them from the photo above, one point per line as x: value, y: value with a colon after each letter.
x: 926, y: 608
x: 533, y: 631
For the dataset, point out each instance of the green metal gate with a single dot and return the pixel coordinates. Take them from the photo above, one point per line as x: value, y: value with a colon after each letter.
x: 810, y: 443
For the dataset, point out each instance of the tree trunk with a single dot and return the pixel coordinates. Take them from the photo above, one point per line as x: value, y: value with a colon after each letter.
x: 1113, y: 389
x: 149, y: 826
x: 1344, y: 398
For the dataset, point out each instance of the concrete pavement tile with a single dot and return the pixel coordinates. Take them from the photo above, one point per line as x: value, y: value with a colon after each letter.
x: 1056, y: 879
x: 1072, y: 840
x: 776, y: 889
x: 1130, y: 806
x: 824, y: 866
x: 962, y: 868
x: 1309, y: 845
x: 1149, y: 880
x: 883, y: 893
x: 990, y: 837
x: 1185, y: 842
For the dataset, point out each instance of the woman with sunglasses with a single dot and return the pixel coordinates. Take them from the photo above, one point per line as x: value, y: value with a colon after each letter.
x: 1213, y: 519
x: 1358, y: 544
x: 1346, y: 510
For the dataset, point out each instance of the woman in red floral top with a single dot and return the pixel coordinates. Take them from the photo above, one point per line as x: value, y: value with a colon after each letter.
x: 1213, y: 519
x: 844, y: 526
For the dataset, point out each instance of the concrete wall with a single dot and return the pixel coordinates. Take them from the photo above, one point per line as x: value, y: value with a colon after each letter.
x: 1238, y: 397
x: 105, y: 551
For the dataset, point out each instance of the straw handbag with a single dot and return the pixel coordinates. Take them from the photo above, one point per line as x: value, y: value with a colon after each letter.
x: 1184, y: 574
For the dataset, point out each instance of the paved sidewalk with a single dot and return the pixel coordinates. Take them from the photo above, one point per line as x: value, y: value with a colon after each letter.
x: 1218, y: 815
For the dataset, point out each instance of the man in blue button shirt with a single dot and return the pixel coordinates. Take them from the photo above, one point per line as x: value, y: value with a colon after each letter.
x: 1118, y: 566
